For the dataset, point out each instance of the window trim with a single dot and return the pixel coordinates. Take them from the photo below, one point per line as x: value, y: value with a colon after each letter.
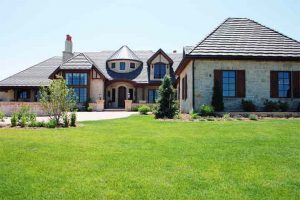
x: 289, y: 95
x: 87, y: 86
x: 121, y: 65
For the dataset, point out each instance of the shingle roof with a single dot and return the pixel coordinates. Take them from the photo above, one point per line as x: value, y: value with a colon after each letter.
x: 245, y: 37
x: 36, y: 75
x: 79, y: 61
x: 124, y: 53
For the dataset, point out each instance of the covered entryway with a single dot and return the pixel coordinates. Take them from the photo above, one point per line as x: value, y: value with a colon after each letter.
x: 121, y: 96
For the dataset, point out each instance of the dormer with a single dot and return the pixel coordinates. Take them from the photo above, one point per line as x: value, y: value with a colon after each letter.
x: 123, y: 60
x: 160, y: 65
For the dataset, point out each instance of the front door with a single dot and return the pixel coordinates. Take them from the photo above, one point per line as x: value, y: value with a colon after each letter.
x: 121, y: 97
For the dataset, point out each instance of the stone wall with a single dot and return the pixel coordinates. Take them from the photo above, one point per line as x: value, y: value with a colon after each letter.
x: 187, y: 105
x: 257, y: 81
x: 10, y: 107
x: 96, y: 89
x: 7, y: 95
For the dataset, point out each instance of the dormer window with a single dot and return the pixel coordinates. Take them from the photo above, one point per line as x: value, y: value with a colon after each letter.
x: 132, y: 65
x: 113, y: 65
x: 122, y: 65
x: 160, y: 70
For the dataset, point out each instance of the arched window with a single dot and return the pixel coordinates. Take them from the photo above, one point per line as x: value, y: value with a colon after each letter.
x: 160, y: 70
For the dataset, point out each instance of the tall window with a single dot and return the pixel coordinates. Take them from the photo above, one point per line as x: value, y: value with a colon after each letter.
x: 229, y: 83
x: 160, y: 70
x: 113, y: 95
x: 122, y: 65
x: 78, y: 81
x: 153, y: 96
x: 113, y: 65
x: 131, y: 94
x: 284, y: 84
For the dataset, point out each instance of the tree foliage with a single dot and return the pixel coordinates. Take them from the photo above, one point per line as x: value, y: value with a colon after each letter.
x: 57, y: 99
x: 167, y: 106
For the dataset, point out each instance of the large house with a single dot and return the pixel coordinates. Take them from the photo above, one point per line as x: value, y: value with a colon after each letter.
x: 244, y: 58
x: 111, y: 76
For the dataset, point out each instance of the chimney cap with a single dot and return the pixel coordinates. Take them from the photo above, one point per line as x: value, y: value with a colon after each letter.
x: 69, y: 38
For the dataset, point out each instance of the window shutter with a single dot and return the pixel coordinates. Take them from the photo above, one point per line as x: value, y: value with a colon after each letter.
x: 186, y: 88
x: 240, y: 87
x: 296, y: 84
x: 182, y: 92
x: 218, y: 78
x: 274, y: 84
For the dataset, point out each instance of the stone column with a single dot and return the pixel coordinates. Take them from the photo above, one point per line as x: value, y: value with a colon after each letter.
x: 100, y: 105
x: 128, y: 105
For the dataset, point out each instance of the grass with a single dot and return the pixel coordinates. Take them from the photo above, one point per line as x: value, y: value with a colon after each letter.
x: 141, y: 158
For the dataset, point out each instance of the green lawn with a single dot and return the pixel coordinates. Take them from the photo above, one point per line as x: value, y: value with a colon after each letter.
x: 140, y: 158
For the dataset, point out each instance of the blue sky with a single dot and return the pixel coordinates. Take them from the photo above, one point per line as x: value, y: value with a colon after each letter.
x: 34, y: 30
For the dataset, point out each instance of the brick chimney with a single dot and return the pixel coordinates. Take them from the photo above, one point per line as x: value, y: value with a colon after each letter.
x: 68, y: 52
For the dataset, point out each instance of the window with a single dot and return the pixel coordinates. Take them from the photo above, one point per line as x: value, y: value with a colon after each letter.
x: 159, y: 70
x: 130, y: 94
x: 76, y: 78
x: 132, y: 65
x: 113, y: 65
x: 284, y: 84
x: 122, y: 65
x: 24, y: 94
x: 113, y: 98
x: 153, y: 95
x: 80, y: 94
x: 184, y: 87
x: 229, y: 83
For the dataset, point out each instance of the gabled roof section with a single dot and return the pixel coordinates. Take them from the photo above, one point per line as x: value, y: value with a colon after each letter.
x: 160, y: 51
x: 246, y: 38
x: 79, y: 61
x: 124, y: 53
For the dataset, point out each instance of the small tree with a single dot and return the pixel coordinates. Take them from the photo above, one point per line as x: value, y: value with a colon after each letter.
x: 217, y: 98
x: 167, y: 107
x: 57, y: 99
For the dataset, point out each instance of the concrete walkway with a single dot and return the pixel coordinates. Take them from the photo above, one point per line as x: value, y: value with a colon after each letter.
x: 88, y: 116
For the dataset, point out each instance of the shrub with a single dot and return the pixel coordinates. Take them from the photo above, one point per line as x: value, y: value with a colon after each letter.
x: 73, y: 119
x: 66, y: 120
x: 226, y: 116
x: 206, y: 110
x: 2, y: 115
x: 166, y: 104
x: 24, y: 111
x: 193, y: 115
x: 271, y: 106
x: 51, y: 123
x: 253, y: 117
x: 14, y: 119
x: 40, y: 124
x: 283, y: 106
x: 23, y: 121
x: 143, y: 110
x: 217, y: 98
x: 89, y: 109
x: 248, y: 106
x: 135, y: 108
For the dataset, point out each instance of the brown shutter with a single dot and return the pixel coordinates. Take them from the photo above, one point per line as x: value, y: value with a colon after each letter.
x: 182, y: 92
x: 186, y: 88
x: 296, y: 84
x: 274, y: 84
x: 218, y: 78
x: 240, y: 87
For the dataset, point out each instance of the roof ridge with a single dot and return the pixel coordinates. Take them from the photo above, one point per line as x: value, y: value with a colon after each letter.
x: 29, y: 68
x: 93, y: 63
x: 211, y: 33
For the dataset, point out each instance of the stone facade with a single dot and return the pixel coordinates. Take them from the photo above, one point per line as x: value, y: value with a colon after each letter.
x: 7, y: 95
x: 257, y: 81
x: 187, y: 105
x: 10, y: 107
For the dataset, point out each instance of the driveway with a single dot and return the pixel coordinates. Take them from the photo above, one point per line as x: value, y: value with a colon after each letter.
x: 87, y: 116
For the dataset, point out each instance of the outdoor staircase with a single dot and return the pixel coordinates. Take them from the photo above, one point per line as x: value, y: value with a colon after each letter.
x: 114, y: 110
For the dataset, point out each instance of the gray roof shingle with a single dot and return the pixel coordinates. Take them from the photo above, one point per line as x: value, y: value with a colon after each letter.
x: 245, y: 37
x: 79, y: 61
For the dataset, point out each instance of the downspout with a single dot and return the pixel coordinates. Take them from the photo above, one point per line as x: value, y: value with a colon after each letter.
x: 193, y: 77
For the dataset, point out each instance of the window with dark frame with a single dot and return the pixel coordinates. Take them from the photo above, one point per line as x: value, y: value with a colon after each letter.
x: 160, y: 70
x: 122, y: 65
x: 131, y: 94
x: 78, y: 81
x: 284, y: 84
x: 24, y: 94
x: 113, y: 95
x: 229, y: 83
x: 132, y: 65
x: 113, y: 65
x: 153, y: 95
